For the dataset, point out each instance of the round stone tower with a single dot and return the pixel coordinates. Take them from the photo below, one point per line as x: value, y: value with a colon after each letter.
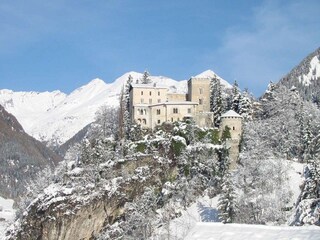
x: 234, y: 121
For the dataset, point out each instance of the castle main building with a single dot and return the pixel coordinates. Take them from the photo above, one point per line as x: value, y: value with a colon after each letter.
x: 151, y: 105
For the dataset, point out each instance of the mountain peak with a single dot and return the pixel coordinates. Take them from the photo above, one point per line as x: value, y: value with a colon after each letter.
x: 211, y: 74
x: 96, y: 81
x: 206, y: 74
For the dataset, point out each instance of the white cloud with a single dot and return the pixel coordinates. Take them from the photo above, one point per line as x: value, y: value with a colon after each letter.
x: 280, y: 34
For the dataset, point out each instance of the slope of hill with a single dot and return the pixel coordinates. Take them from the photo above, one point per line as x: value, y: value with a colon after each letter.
x: 54, y: 117
x: 306, y: 77
x: 21, y: 156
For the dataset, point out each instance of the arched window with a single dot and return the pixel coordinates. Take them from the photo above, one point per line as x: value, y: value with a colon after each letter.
x: 144, y: 121
x: 141, y: 112
x: 139, y: 120
x: 233, y: 128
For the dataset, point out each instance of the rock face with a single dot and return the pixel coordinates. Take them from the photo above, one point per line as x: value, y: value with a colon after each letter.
x: 59, y: 224
x: 21, y: 156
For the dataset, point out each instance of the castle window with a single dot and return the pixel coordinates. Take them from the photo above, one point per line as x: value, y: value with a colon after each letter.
x: 159, y: 121
x: 150, y: 101
x: 150, y: 93
x: 141, y: 112
x: 233, y: 128
x: 201, y: 90
x: 158, y: 111
x: 171, y: 119
x: 158, y: 93
x: 139, y: 120
x: 189, y: 110
x: 144, y: 121
x: 175, y: 110
x: 145, y: 111
x: 200, y: 101
x: 141, y: 92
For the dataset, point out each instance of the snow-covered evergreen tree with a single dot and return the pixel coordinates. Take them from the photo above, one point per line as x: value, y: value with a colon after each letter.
x: 226, y: 204
x: 126, y: 108
x: 146, y: 78
x: 216, y: 101
x: 235, y: 98
x: 307, y: 209
x: 245, y: 106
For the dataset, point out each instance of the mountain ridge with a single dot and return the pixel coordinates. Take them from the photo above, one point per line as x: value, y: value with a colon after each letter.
x: 21, y: 156
x: 55, y: 117
x: 305, y: 77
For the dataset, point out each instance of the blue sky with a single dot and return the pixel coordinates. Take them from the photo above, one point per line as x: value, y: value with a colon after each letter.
x: 49, y: 45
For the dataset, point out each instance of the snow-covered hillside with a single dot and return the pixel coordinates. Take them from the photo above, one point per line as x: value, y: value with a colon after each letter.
x: 6, y: 215
x: 312, y: 73
x: 55, y: 117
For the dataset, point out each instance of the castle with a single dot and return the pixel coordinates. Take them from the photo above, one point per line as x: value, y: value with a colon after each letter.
x: 152, y: 105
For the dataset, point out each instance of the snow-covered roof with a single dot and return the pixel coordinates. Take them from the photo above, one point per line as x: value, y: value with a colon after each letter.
x: 153, y: 85
x: 231, y: 113
x: 166, y: 103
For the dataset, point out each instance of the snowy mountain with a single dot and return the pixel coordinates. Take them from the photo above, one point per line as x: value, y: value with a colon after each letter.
x: 211, y: 74
x: 306, y: 77
x: 54, y: 117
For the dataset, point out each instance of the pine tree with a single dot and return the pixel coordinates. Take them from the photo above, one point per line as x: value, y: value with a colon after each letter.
x: 127, y: 123
x: 226, y: 203
x: 216, y: 104
x: 146, y: 78
x: 245, y: 106
x: 121, y: 130
x: 236, y: 97
x: 308, y: 204
x: 226, y: 134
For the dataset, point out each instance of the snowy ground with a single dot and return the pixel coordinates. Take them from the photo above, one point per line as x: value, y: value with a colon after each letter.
x: 6, y: 215
x: 200, y: 221
x: 220, y: 231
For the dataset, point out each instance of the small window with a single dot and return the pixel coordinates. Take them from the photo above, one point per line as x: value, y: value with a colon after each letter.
x: 139, y: 120
x: 159, y: 121
x: 233, y: 128
x: 141, y: 112
x: 158, y: 93
x: 171, y: 119
x: 144, y: 121
x: 158, y: 111
x: 201, y: 90
x: 150, y: 101
x: 141, y: 93
x: 175, y: 110
x: 200, y: 101
x: 189, y: 110
x: 150, y: 93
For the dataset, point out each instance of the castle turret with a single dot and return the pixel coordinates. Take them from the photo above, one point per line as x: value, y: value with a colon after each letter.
x: 234, y: 121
